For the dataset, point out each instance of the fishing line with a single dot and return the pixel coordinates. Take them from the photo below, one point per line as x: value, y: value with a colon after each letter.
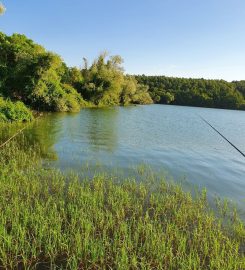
x: 204, y: 120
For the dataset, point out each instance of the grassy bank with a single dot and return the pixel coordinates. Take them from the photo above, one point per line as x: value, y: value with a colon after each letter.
x: 53, y: 221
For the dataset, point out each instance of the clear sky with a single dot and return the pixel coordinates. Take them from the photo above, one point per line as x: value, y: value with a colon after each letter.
x: 184, y: 38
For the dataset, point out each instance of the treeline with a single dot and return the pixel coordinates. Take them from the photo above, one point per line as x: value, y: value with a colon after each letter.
x: 195, y: 92
x: 43, y: 82
x: 32, y: 78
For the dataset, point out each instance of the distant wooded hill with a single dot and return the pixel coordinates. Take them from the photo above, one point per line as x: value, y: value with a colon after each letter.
x: 195, y: 92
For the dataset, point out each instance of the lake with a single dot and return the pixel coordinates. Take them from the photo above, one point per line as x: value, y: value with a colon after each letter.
x: 170, y: 139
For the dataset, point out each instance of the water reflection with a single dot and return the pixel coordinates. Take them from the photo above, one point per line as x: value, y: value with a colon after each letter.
x: 102, y: 129
x: 44, y: 133
x: 171, y: 138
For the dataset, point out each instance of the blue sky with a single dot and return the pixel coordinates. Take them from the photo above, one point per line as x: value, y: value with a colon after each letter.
x: 184, y: 38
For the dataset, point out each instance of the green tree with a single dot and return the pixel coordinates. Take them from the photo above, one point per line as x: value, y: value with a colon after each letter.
x: 31, y: 74
x: 195, y: 92
x: 105, y: 83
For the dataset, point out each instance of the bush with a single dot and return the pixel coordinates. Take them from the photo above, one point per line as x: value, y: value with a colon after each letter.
x: 14, y: 111
x: 3, y: 118
x: 68, y: 100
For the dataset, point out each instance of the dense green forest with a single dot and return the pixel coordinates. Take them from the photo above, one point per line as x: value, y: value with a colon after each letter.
x: 42, y: 81
x: 195, y: 92
x: 34, y: 79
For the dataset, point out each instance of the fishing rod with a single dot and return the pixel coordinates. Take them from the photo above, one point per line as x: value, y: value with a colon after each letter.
x: 16, y: 134
x: 222, y: 136
x: 11, y: 138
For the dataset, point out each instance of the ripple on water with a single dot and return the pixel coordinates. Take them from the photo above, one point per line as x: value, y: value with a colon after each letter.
x: 169, y: 138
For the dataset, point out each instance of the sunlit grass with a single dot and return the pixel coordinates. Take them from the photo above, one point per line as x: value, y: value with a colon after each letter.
x: 50, y: 220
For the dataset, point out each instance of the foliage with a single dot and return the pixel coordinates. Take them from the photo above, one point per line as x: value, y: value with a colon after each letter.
x: 33, y: 75
x: 195, y: 92
x: 240, y: 86
x: 14, y: 111
x: 42, y: 80
x: 104, y: 83
x: 54, y: 221
x: 3, y: 118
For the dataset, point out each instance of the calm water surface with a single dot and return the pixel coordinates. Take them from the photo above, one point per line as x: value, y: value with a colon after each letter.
x: 168, y: 138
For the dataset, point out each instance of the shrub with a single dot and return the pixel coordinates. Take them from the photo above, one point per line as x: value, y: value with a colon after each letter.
x: 3, y: 118
x: 14, y: 111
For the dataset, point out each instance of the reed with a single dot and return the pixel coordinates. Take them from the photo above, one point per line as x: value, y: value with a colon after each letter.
x: 51, y: 220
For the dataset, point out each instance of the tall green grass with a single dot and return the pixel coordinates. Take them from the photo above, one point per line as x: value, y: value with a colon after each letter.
x: 49, y: 220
